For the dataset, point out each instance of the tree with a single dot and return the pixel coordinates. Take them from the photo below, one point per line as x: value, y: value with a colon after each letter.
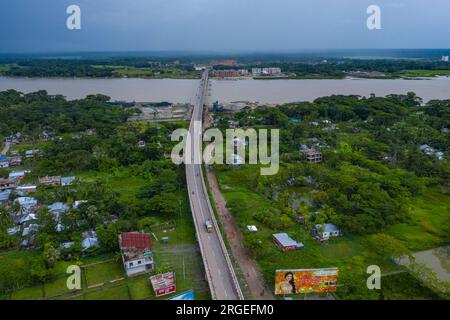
x: 51, y: 255
x: 166, y: 204
x: 108, y: 236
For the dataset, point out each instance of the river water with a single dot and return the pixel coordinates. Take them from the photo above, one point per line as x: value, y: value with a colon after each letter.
x: 264, y: 91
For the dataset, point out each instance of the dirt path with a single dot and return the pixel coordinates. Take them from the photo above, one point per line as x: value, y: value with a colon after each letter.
x: 246, y: 262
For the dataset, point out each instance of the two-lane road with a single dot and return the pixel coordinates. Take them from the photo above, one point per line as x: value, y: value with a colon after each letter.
x: 219, y: 271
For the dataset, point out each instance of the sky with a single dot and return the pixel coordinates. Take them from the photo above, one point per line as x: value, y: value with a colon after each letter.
x: 34, y: 26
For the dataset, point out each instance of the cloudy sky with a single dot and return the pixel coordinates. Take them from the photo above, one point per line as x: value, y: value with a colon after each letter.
x: 221, y: 25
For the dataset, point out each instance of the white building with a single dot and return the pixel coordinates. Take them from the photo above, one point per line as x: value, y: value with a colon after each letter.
x: 327, y: 231
x: 136, y: 249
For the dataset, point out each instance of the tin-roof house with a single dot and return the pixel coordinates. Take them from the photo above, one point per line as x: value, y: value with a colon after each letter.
x: 27, y: 204
x: 326, y: 231
x: 136, y: 249
x: 50, y: 181
x: 8, y: 184
x: 67, y: 181
x: 286, y: 243
x: 89, y: 240
x: 58, y: 209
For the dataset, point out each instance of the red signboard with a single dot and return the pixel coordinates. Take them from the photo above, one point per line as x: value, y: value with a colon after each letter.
x: 163, y: 284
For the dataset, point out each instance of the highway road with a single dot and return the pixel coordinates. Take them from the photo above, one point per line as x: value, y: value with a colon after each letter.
x: 219, y: 271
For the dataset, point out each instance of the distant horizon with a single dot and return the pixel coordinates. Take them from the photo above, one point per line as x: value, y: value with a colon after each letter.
x: 225, y: 53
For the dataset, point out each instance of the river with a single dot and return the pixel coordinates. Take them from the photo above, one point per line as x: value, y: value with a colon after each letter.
x: 264, y: 91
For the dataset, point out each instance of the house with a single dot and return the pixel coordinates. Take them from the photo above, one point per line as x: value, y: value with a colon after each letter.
x: 27, y: 218
x: 286, y: 243
x: 12, y: 231
x: 89, y: 240
x: 18, y: 174
x: 26, y: 188
x: 31, y: 153
x: 15, y: 161
x: 313, y: 155
x: 140, y: 144
x: 67, y: 181
x: 32, y: 228
x: 58, y: 209
x: 252, y: 228
x: 46, y: 135
x: 59, y: 227
x: 77, y: 203
x: 324, y: 232
x: 426, y: 149
x: 4, y: 162
x: 27, y: 204
x: 439, y: 155
x: 4, y: 197
x: 10, y: 183
x: 50, y: 181
x: 136, y: 249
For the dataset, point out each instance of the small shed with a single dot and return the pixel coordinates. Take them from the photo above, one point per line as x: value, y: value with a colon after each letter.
x: 287, y: 243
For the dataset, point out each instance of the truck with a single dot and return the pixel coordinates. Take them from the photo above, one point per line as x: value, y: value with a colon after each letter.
x: 209, y: 226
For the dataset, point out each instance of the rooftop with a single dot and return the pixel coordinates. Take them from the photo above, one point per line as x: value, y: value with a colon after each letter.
x: 286, y: 241
x: 134, y: 245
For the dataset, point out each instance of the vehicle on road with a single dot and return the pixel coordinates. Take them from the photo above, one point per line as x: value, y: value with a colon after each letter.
x: 209, y: 226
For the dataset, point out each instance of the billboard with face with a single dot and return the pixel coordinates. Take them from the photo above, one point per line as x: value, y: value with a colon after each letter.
x: 297, y: 281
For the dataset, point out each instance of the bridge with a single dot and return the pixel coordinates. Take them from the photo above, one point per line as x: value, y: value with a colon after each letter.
x: 220, y: 274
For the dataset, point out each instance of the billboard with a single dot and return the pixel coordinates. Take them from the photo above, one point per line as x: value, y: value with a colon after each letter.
x: 163, y: 284
x: 188, y: 295
x: 296, y: 281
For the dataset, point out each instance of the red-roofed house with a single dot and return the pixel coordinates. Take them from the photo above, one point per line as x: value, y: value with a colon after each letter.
x: 136, y: 249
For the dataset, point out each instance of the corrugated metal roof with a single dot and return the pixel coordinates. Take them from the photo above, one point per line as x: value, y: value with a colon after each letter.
x: 135, y: 240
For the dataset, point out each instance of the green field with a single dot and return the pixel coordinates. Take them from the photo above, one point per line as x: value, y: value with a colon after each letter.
x: 133, y: 72
x: 424, y: 73
x: 103, y: 272
x: 427, y: 228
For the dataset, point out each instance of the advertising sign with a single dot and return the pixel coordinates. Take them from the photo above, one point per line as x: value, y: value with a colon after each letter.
x: 163, y: 284
x: 188, y: 295
x: 297, y: 281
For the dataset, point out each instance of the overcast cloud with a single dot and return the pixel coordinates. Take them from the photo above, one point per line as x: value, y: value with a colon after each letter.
x: 217, y: 25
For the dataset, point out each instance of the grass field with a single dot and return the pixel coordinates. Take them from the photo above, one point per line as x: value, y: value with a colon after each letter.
x: 427, y: 228
x: 133, y: 72
x: 424, y: 73
x: 103, y: 272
